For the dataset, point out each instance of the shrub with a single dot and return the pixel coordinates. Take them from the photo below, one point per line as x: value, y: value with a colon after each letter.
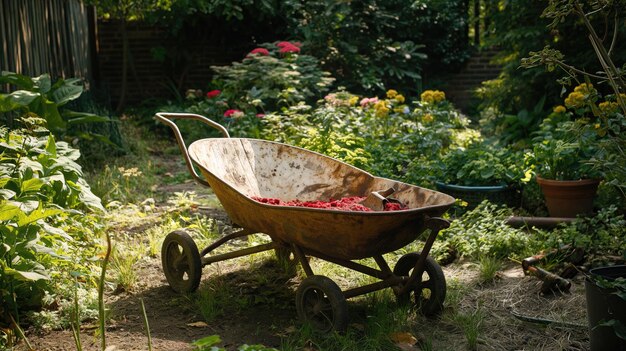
x: 483, y: 232
x: 270, y: 78
x: 46, y: 99
x: 42, y: 194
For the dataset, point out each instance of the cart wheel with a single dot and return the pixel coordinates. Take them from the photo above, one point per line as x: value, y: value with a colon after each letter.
x: 181, y: 262
x: 429, y: 299
x: 320, y: 301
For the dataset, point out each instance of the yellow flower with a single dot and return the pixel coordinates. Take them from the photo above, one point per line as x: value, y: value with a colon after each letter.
x: 399, y: 98
x: 596, y: 126
x: 381, y: 108
x: 609, y: 107
x: 433, y: 96
x: 427, y: 118
x: 391, y: 93
x: 558, y: 109
x: 585, y: 88
x: 575, y: 100
x: 353, y: 100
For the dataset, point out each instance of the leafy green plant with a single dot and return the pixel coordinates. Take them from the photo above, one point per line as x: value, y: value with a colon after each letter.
x: 483, y: 232
x: 567, y: 141
x: 372, y: 44
x: 42, y: 191
x: 483, y: 164
x: 44, y: 98
x: 602, y: 234
x: 208, y: 344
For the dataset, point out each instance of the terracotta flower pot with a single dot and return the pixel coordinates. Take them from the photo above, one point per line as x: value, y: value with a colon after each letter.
x: 569, y: 198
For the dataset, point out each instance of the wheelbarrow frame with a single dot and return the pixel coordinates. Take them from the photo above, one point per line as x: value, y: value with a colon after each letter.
x: 402, y: 284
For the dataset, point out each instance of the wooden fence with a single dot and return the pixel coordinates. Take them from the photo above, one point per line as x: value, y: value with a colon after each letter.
x: 46, y: 36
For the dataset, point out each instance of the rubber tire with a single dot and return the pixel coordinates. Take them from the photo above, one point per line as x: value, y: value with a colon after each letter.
x: 321, y: 302
x: 178, y: 245
x: 436, y: 284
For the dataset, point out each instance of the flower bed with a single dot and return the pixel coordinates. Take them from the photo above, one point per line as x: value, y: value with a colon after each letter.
x: 352, y: 203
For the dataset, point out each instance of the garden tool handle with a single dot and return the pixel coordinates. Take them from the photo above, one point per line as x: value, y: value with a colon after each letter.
x: 168, y: 117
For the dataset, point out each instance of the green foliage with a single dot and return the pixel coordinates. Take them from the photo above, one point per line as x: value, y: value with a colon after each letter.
x: 257, y: 85
x: 483, y: 232
x: 518, y: 29
x: 208, y: 344
x: 42, y: 194
x: 277, y: 79
x: 368, y: 44
x: 383, y: 136
x: 603, y: 234
x: 41, y: 97
x: 568, y: 141
x: 483, y: 164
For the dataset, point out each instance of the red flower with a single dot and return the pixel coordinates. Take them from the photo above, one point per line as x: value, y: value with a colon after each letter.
x: 287, y: 47
x: 229, y: 113
x: 260, y: 51
x: 290, y: 48
x: 213, y: 93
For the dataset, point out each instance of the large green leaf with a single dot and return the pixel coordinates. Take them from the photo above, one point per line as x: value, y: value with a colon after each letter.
x: 37, y: 215
x: 23, y: 97
x: 73, y: 117
x: 69, y: 91
x: 50, y: 111
x: 87, y: 197
x: 33, y: 184
x: 9, y: 211
x: 7, y: 104
x: 51, y: 147
x: 26, y: 276
x: 21, y: 81
x: 43, y: 82
x: 7, y: 194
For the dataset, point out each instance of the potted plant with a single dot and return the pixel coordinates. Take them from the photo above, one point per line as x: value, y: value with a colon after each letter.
x: 482, y: 171
x: 605, y: 292
x: 563, y: 154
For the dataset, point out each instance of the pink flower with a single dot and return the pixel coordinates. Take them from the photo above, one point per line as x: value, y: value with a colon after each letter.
x: 213, y: 93
x: 260, y: 51
x: 368, y: 101
x: 287, y: 47
x: 233, y: 114
x: 260, y: 115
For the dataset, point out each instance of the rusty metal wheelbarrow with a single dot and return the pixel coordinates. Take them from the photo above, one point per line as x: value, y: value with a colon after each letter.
x: 238, y: 169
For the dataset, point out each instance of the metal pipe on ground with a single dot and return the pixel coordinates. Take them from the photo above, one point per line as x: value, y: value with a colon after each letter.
x: 539, y: 222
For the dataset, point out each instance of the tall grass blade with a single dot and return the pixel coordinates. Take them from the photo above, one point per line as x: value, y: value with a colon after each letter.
x: 145, y: 321
x: 101, y: 312
x: 75, y: 323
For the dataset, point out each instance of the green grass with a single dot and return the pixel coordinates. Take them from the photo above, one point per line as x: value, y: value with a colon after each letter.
x: 488, y: 268
x: 471, y: 324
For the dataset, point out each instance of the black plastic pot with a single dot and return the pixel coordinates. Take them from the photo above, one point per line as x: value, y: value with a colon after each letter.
x: 474, y: 195
x: 603, y: 305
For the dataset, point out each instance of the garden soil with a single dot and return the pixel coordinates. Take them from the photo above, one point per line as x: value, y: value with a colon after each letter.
x: 517, y: 315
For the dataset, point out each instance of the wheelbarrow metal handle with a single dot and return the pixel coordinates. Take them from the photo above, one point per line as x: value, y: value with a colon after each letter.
x: 168, y: 119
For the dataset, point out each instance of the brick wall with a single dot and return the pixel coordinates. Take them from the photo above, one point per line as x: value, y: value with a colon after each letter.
x: 459, y: 87
x: 149, y: 79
